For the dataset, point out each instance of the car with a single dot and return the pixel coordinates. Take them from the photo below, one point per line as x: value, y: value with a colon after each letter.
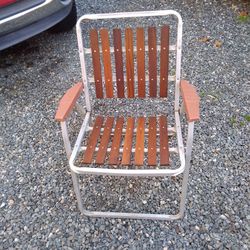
x: 22, y: 19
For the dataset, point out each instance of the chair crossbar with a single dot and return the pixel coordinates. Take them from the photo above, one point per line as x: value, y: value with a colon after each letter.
x: 172, y: 48
x: 171, y: 78
x: 171, y: 150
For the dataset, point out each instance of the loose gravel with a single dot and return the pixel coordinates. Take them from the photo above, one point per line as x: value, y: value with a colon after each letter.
x: 37, y: 203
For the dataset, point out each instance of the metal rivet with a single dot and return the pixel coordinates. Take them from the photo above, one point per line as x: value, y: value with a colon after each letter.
x: 106, y: 50
x: 140, y: 48
x: 94, y: 50
x: 164, y: 48
x: 164, y: 147
x: 141, y: 79
x: 163, y: 78
x: 129, y: 79
x: 117, y: 49
x: 119, y: 80
x: 152, y: 48
x: 152, y: 79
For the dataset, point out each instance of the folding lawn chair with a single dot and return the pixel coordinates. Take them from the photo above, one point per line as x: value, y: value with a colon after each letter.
x: 106, y: 147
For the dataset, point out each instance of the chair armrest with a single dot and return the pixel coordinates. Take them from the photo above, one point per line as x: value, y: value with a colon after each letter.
x: 68, y: 102
x: 191, y: 101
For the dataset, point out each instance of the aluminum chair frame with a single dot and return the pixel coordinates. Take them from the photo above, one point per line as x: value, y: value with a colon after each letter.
x: 184, y: 153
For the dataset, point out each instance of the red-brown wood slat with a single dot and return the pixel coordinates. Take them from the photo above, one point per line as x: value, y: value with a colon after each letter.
x: 152, y: 129
x: 164, y: 149
x: 152, y: 61
x: 129, y: 61
x: 101, y: 154
x: 114, y: 153
x: 96, y: 63
x: 118, y: 62
x: 88, y: 155
x: 140, y: 46
x: 139, y: 146
x: 128, y: 140
x: 164, y: 63
x: 107, y: 62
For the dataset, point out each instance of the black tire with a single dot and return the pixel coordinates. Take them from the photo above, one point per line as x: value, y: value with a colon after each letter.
x: 67, y: 23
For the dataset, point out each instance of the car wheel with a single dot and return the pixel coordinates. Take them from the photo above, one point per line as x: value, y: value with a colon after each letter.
x: 67, y: 23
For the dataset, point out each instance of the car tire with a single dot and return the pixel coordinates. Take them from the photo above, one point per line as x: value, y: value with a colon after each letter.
x: 67, y: 23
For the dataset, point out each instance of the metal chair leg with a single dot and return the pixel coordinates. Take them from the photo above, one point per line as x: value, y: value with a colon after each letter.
x: 66, y: 140
x: 186, y: 171
x: 77, y: 191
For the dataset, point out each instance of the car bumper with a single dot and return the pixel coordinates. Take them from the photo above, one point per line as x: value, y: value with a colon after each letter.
x: 28, y: 23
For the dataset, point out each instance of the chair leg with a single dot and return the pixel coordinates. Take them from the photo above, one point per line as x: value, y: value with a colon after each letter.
x: 109, y: 214
x: 77, y: 191
x: 66, y: 140
x: 186, y: 172
x: 182, y: 109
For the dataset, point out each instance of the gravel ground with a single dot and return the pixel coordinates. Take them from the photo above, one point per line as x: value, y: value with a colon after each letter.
x: 37, y: 204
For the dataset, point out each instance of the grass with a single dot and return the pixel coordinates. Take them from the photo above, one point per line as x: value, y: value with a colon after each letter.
x: 243, y: 17
x: 247, y: 118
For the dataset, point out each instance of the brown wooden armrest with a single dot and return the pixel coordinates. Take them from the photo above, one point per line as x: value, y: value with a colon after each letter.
x: 191, y: 101
x: 68, y: 102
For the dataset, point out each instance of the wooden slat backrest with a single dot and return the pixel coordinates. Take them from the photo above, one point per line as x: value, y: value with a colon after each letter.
x: 152, y: 61
x: 126, y: 53
x: 96, y: 63
x: 140, y: 46
x: 118, y: 63
x: 164, y: 61
x: 107, y: 62
x: 129, y: 61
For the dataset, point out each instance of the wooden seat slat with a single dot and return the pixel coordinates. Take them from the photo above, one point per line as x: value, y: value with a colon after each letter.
x: 101, y: 154
x: 164, y: 148
x: 114, y: 153
x: 152, y: 129
x: 128, y: 140
x: 139, y: 146
x: 88, y: 155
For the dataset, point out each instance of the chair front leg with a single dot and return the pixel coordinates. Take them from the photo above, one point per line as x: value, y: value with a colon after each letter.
x: 66, y: 140
x: 187, y: 166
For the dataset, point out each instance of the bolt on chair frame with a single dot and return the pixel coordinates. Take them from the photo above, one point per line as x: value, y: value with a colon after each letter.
x: 190, y: 106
